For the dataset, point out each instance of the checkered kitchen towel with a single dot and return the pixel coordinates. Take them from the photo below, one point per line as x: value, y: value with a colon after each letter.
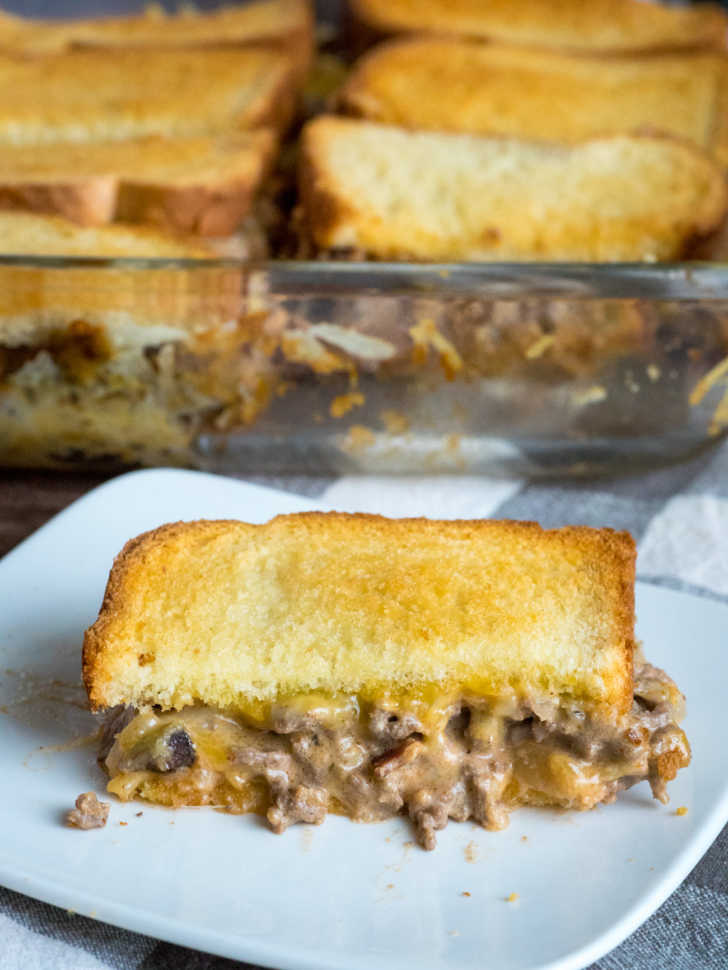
x: 679, y: 516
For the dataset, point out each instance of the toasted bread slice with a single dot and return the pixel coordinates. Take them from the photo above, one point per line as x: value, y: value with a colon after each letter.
x: 452, y: 85
x: 29, y: 234
x: 225, y: 613
x: 398, y: 194
x: 285, y: 22
x: 200, y: 184
x: 596, y: 25
x: 95, y: 95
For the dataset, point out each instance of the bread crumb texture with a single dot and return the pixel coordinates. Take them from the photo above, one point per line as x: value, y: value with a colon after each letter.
x: 432, y: 195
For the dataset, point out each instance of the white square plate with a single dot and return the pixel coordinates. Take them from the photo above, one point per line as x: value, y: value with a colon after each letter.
x: 343, y: 896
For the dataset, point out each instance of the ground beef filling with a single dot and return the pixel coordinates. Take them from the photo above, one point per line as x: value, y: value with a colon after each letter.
x: 371, y: 763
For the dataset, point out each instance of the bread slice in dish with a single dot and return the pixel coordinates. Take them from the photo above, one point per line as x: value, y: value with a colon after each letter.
x: 454, y: 85
x: 108, y: 366
x: 396, y: 194
x: 99, y: 95
x: 284, y: 22
x: 31, y: 234
x: 597, y: 25
x: 199, y: 184
x: 368, y: 666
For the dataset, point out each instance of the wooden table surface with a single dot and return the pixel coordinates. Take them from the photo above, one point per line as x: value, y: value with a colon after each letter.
x: 28, y: 499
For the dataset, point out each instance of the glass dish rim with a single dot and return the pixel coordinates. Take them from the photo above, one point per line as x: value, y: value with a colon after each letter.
x: 694, y: 280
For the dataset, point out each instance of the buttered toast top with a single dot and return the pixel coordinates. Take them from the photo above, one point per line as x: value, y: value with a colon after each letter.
x: 444, y: 84
x: 203, y: 184
x: 100, y: 95
x: 367, y: 666
x: 227, y: 613
x: 596, y: 25
x: 280, y: 21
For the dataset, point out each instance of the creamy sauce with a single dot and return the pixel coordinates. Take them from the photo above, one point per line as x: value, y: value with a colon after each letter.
x: 434, y: 756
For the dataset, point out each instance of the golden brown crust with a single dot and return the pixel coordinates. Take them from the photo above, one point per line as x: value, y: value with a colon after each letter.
x: 610, y: 26
x: 446, y: 84
x: 29, y: 233
x: 214, y: 209
x: 284, y: 22
x: 548, y: 610
x: 300, y: 43
x: 200, y: 210
x: 202, y: 185
x: 131, y: 558
x: 349, y: 97
x: 276, y: 102
x: 87, y: 202
x: 720, y: 131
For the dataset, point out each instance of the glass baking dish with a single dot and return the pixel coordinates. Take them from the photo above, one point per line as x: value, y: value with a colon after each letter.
x: 331, y: 367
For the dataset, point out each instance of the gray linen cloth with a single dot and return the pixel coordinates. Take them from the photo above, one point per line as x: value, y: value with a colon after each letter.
x: 679, y: 517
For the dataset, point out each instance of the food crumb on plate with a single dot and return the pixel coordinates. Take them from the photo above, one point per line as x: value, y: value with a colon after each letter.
x: 513, y: 898
x: 682, y: 810
x: 465, y: 893
x: 89, y: 812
